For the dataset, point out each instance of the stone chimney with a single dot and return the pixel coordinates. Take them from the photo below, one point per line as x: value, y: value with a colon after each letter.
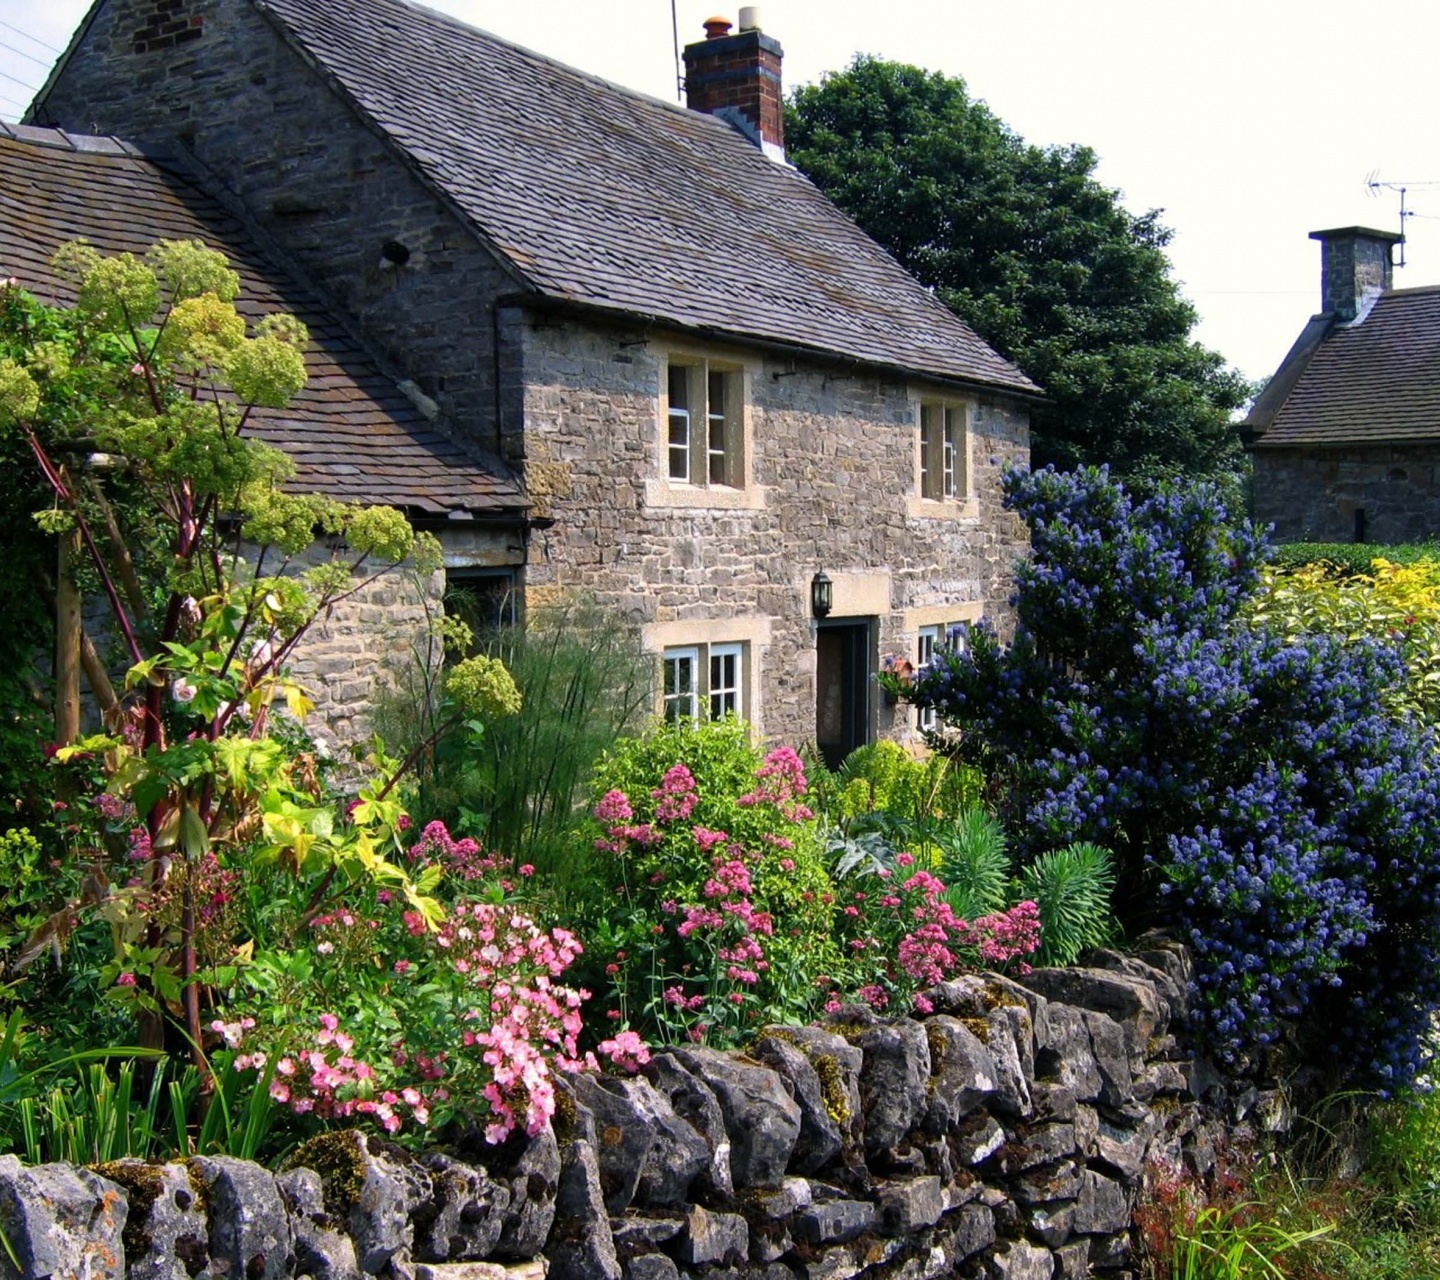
x: 1355, y: 269
x: 737, y: 77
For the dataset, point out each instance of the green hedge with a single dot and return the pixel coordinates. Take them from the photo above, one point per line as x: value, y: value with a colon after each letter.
x: 1350, y: 558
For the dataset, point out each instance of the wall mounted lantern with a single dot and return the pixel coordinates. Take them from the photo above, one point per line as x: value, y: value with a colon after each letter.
x: 822, y: 594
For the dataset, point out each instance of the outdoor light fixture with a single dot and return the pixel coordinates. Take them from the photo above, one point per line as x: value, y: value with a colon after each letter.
x: 822, y: 594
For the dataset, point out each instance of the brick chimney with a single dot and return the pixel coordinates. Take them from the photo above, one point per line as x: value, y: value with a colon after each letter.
x: 737, y: 77
x: 1355, y: 269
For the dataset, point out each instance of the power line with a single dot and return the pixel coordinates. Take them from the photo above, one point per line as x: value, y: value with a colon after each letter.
x: 22, y: 54
x: 26, y: 35
x: 5, y: 75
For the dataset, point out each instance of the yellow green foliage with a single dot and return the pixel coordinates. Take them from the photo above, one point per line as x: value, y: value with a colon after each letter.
x: 205, y: 328
x: 883, y: 777
x: 187, y: 269
x: 482, y: 687
x: 19, y: 396
x: 266, y: 371
x: 1394, y: 603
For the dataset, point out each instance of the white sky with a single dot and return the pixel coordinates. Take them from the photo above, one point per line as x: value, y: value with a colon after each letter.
x: 1249, y: 122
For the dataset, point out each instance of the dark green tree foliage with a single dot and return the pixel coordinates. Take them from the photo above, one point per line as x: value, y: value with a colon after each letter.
x: 1041, y: 259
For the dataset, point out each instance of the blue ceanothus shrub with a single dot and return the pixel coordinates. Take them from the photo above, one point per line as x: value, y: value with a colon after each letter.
x: 1259, y: 797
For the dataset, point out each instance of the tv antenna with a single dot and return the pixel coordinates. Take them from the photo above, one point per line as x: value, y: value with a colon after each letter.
x: 1373, y: 185
x: 675, y: 34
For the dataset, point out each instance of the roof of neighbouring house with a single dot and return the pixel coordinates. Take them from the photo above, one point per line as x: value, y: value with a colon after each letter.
x: 602, y: 197
x: 351, y: 432
x: 1375, y: 381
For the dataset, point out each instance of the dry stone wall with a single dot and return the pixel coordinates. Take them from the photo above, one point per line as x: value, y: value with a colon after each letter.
x: 1005, y: 1136
x: 1315, y: 495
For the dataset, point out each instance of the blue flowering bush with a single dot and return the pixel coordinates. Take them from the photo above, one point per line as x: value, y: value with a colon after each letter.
x: 1260, y: 796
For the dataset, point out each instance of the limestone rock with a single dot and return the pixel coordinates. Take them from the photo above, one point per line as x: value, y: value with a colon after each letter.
x: 838, y: 1064
x: 711, y: 1237
x: 531, y: 1177
x: 1053, y: 1223
x: 972, y: 1228
x: 581, y: 1246
x: 911, y: 1204
x: 249, y: 1227
x: 762, y: 1120
x: 1068, y: 1058
x: 1107, y: 1042
x: 694, y: 1102
x: 978, y: 1138
x: 1131, y: 1000
x: 466, y: 1213
x: 625, y: 1132
x: 893, y: 1081
x: 1102, y: 1205
x: 166, y: 1235
x: 321, y: 1251
x: 1072, y: 1261
x: 651, y: 1266
x: 1060, y: 1181
x: 962, y: 1073
x: 1023, y: 1261
x: 635, y: 1233
x: 1039, y: 1144
x: 60, y: 1222
x: 820, y: 1137
x: 1006, y: 1035
x: 834, y: 1221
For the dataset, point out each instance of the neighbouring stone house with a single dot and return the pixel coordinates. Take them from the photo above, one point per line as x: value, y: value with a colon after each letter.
x: 1346, y: 436
x: 713, y: 387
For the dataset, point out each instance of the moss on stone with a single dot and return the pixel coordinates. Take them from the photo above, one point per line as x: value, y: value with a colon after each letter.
x: 339, y: 1159
x: 143, y: 1185
x: 979, y: 1028
x: 566, y: 1119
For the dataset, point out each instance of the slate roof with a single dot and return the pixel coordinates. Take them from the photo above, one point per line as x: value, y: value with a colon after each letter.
x: 352, y: 433
x: 1377, y: 381
x: 600, y: 196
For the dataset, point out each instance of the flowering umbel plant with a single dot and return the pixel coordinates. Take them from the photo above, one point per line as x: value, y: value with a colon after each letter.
x: 192, y: 536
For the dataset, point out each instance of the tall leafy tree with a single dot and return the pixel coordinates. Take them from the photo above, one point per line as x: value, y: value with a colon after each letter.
x: 1024, y: 244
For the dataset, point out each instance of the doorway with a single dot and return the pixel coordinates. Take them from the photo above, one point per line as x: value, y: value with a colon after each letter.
x: 842, y: 688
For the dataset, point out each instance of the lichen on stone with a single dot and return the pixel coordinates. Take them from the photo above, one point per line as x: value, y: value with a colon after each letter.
x: 143, y: 1184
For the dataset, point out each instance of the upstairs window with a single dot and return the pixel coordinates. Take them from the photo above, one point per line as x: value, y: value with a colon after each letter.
x: 944, y: 451
x: 704, y: 432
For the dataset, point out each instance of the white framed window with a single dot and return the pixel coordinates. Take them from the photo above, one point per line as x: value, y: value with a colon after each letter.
x: 944, y: 451
x: 711, y: 677
x: 727, y: 674
x: 932, y: 639
x: 681, y: 684
x: 704, y: 424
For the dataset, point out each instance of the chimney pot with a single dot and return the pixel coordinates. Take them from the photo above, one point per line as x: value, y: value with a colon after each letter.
x: 737, y: 77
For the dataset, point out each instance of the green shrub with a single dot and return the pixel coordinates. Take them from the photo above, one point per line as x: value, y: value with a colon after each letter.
x: 1072, y: 888
x: 974, y: 864
x: 883, y: 778
x: 704, y: 854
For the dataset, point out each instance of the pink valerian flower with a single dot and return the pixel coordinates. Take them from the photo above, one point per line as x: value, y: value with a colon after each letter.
x: 675, y: 797
x: 125, y: 980
x: 614, y: 807
x: 708, y: 839
x: 112, y: 808
x: 140, y: 850
x: 462, y: 858
x: 1007, y: 935
x: 875, y: 996
x: 782, y: 781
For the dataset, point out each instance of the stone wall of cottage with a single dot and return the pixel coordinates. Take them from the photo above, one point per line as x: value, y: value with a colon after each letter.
x: 833, y: 487
x: 216, y: 77
x: 1009, y: 1134
x: 1313, y: 495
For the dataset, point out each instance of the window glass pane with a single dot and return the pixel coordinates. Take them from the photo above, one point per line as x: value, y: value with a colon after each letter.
x: 925, y: 717
x: 725, y: 669
x: 680, y: 691
x: 718, y: 410
x: 679, y: 441
x: 951, y: 455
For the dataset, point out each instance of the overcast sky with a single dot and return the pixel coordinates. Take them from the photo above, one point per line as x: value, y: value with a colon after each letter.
x: 1249, y: 122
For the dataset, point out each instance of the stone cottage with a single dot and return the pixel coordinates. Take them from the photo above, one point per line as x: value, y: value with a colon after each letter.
x: 739, y: 424
x: 1346, y: 436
